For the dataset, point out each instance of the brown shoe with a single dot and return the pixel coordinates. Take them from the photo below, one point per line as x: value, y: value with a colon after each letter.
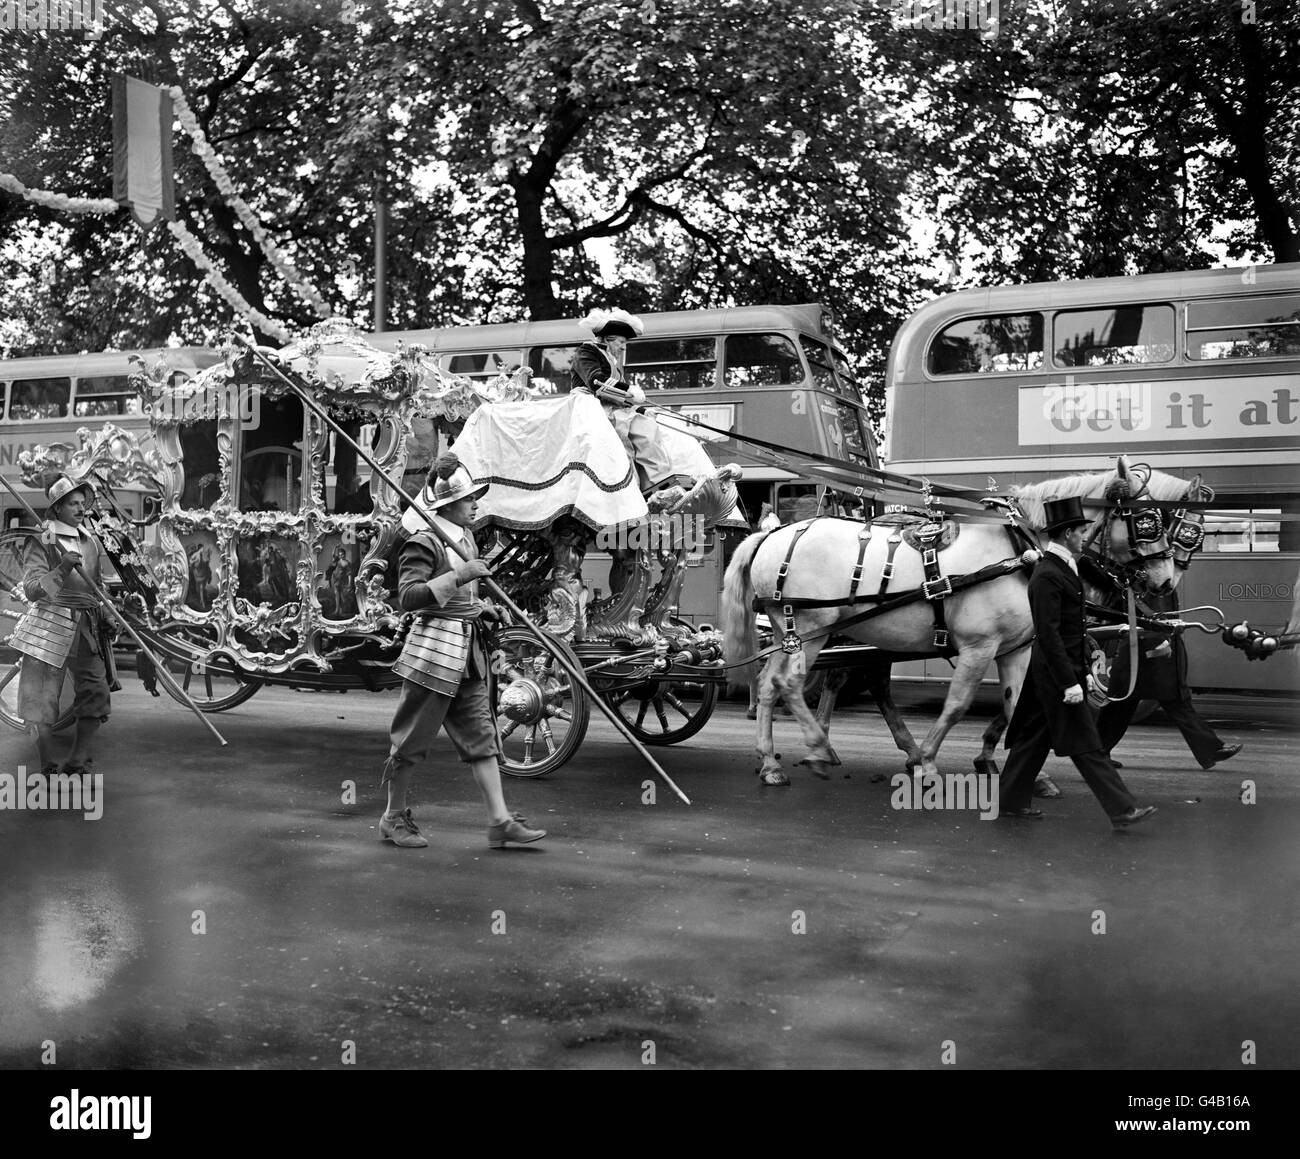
x: 516, y: 830
x: 401, y: 830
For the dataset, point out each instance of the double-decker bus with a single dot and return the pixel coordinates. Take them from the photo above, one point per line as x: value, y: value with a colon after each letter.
x: 768, y: 372
x: 1194, y: 373
x: 46, y: 399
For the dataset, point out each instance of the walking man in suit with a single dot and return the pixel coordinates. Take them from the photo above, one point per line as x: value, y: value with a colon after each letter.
x: 1052, y: 712
x: 1162, y: 676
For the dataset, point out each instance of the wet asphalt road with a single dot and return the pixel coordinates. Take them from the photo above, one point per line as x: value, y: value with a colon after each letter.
x: 925, y: 932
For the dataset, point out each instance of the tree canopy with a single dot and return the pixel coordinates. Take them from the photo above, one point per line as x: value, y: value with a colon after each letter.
x: 538, y: 158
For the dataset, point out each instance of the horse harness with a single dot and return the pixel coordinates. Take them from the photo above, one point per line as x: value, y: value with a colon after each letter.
x: 924, y: 534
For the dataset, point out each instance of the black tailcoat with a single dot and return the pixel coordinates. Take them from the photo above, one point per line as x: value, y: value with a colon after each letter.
x: 1059, y: 659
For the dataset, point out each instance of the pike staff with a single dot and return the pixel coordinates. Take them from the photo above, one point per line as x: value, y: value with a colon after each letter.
x: 574, y: 674
x: 107, y: 604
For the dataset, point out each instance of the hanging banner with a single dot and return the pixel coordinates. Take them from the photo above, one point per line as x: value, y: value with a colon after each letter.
x: 142, y: 150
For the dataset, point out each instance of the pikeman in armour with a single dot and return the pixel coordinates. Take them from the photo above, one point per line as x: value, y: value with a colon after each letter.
x: 444, y: 665
x: 64, y: 633
x: 598, y: 369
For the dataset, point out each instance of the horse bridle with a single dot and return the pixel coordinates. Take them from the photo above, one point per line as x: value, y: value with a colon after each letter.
x: 1183, y: 531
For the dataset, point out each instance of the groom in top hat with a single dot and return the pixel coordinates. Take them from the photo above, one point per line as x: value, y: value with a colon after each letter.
x: 1052, y: 712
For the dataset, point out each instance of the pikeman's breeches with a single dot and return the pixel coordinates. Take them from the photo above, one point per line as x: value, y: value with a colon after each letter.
x: 421, y: 712
x: 40, y: 684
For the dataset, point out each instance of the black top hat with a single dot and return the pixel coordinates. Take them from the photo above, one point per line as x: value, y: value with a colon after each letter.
x: 1063, y: 513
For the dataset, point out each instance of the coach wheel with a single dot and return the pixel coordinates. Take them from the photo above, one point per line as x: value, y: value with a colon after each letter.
x: 10, y: 672
x: 663, y: 712
x: 541, y: 715
x: 213, y: 684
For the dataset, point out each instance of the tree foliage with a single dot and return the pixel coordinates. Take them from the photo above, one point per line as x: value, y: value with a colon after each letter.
x: 542, y: 156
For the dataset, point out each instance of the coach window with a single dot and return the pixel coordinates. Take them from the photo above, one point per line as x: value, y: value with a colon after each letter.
x: 202, y: 464
x: 1114, y: 337
x: 1244, y: 328
x: 40, y: 398
x: 820, y: 364
x: 4, y: 396
x: 671, y: 364
x: 107, y: 394
x: 270, y: 466
x: 993, y: 345
x: 762, y: 360
x: 552, y: 366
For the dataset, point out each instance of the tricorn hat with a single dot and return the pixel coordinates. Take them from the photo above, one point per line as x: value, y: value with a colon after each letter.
x: 451, y: 482
x: 60, y: 489
x: 614, y: 323
x: 1062, y: 513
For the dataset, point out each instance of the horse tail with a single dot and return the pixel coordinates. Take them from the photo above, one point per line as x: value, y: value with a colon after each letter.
x: 738, y: 634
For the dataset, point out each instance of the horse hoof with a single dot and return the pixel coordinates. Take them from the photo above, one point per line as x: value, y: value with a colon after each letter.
x: 986, y: 767
x: 834, y: 757
x: 751, y: 714
x: 817, y: 766
x: 773, y: 778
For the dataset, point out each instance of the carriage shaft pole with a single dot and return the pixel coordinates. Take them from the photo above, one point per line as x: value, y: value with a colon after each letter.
x: 107, y: 603
x: 575, y: 673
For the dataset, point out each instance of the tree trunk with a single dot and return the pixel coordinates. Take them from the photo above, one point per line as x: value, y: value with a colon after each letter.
x: 1246, y: 129
x: 539, y: 260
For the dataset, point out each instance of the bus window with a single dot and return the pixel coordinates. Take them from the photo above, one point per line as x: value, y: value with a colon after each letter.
x: 1244, y: 328
x: 671, y: 364
x: 1115, y: 337
x: 108, y: 394
x: 553, y: 365
x: 487, y: 364
x: 819, y: 364
x: 1253, y: 530
x: 40, y: 398
x: 762, y: 360
x: 796, y: 502
x: 991, y: 345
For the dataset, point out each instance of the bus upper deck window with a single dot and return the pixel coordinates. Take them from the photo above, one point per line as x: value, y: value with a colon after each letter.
x: 40, y: 398
x: 1244, y: 328
x: 106, y: 394
x: 671, y: 363
x: 486, y: 364
x: 762, y: 360
x: 553, y: 365
x: 819, y: 364
x: 992, y: 345
x: 1114, y: 337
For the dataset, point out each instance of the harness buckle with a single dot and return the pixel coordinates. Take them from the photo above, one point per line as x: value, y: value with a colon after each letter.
x: 937, y: 588
x: 941, y: 637
x: 887, y: 572
x: 929, y: 557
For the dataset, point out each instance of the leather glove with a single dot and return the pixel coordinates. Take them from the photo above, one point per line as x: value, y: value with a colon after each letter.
x: 1092, y: 683
x: 635, y: 395
x: 70, y: 560
x: 1161, y: 651
x: 469, y: 570
x: 1074, y: 694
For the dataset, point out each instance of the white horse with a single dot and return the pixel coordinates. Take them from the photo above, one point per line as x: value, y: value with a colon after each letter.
x: 989, y: 622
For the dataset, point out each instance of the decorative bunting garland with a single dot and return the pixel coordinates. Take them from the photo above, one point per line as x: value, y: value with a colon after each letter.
x: 187, y: 241
x: 218, y: 281
x: 58, y: 200
x: 276, y: 256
